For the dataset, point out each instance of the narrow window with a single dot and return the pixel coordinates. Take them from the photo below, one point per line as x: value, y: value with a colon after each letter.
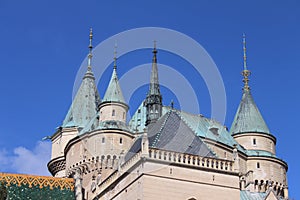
x: 103, y: 140
x: 257, y: 165
x: 121, y: 140
x: 225, y: 155
x: 113, y: 113
x: 271, y: 145
x: 139, y: 110
x: 254, y: 141
x: 123, y: 115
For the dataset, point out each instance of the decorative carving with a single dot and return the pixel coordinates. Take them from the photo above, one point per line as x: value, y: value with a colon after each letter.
x: 57, y: 165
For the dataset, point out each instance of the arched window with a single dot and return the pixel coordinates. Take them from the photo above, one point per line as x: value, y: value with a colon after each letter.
x: 113, y: 113
x: 121, y: 140
x: 254, y: 141
x: 192, y: 198
x: 103, y: 140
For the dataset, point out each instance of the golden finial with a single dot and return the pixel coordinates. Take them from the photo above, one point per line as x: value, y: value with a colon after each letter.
x: 90, y: 50
x: 115, y: 56
x: 246, y: 73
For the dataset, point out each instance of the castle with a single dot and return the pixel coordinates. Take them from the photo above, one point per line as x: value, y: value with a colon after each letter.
x: 164, y: 153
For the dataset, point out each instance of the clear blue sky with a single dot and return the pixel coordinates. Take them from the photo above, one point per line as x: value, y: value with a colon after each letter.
x: 43, y: 43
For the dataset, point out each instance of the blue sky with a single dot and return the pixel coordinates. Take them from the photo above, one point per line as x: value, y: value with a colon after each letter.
x: 43, y: 44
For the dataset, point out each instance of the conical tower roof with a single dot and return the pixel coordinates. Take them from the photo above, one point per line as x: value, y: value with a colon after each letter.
x: 248, y: 119
x: 85, y: 103
x: 114, y: 92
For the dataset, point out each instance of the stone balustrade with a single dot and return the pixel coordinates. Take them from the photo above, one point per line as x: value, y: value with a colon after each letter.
x: 188, y: 159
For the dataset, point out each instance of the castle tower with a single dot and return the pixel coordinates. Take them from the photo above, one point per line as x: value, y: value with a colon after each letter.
x: 153, y: 101
x: 113, y: 106
x: 82, y: 110
x: 250, y: 130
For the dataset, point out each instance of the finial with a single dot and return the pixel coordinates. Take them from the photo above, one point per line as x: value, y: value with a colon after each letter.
x: 115, y: 56
x: 154, y: 60
x: 244, y: 50
x: 90, y: 51
x: 154, y: 49
x: 246, y: 73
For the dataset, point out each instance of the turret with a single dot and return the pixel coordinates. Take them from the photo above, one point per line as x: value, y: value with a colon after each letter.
x: 250, y: 130
x: 113, y: 106
x: 82, y: 110
x: 153, y: 101
x: 249, y: 127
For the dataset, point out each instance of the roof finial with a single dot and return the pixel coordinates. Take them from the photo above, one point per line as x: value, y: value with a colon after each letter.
x: 154, y: 52
x: 90, y: 51
x: 244, y: 50
x: 246, y: 73
x: 115, y: 56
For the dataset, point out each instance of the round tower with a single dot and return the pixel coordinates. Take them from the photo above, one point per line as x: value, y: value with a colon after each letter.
x: 250, y: 131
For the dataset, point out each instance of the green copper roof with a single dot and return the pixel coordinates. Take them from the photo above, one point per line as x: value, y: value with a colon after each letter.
x: 84, y: 105
x: 209, y: 128
x: 260, y: 153
x: 138, y: 120
x: 202, y: 126
x: 95, y: 124
x: 248, y: 118
x: 114, y: 92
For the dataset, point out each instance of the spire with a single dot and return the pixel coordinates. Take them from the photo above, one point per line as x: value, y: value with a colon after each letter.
x: 154, y: 84
x: 86, y: 100
x: 89, y: 73
x: 90, y: 51
x: 115, y: 57
x: 248, y: 118
x: 246, y: 73
x: 153, y: 101
x: 114, y: 92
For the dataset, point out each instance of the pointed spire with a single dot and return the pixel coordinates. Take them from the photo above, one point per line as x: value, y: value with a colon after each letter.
x: 115, y: 57
x: 153, y: 101
x: 154, y: 84
x: 246, y: 73
x: 90, y: 51
x: 89, y: 73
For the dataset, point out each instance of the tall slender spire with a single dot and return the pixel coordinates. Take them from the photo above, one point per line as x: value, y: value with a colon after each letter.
x: 154, y: 84
x: 115, y: 56
x: 153, y: 101
x: 246, y: 73
x: 90, y: 51
x: 89, y: 73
